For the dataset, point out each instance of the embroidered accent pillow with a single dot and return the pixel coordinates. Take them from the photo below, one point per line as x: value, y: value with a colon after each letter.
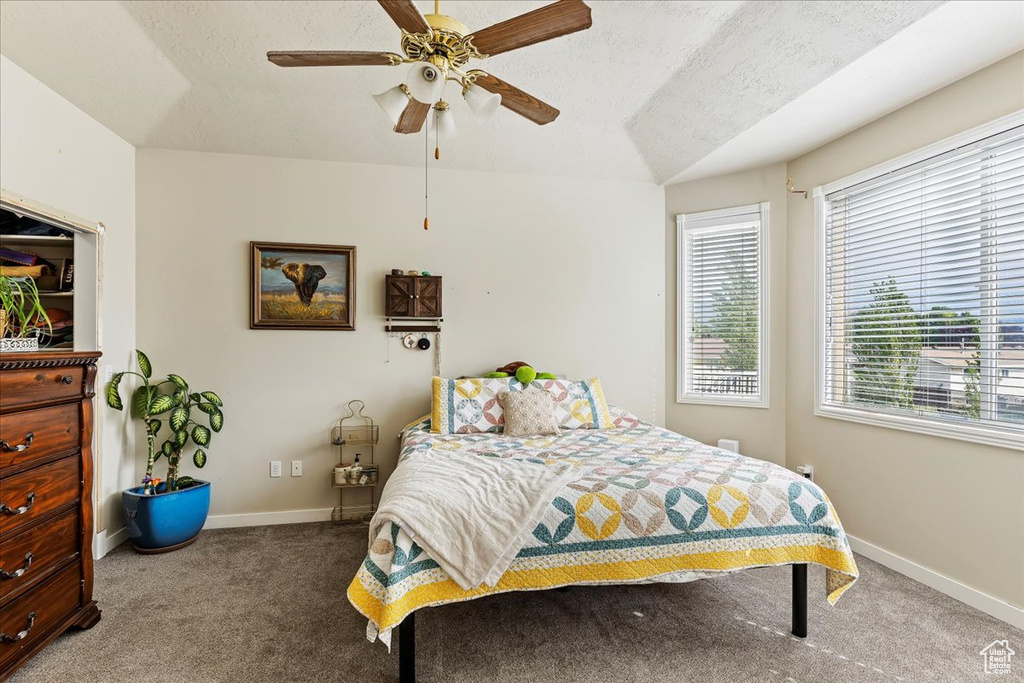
x: 528, y: 413
x: 578, y: 405
x: 469, y: 406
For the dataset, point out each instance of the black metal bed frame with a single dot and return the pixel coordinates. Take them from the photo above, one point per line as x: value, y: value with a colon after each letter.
x: 407, y: 629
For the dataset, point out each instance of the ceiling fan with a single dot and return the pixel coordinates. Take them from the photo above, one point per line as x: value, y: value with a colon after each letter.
x: 439, y: 47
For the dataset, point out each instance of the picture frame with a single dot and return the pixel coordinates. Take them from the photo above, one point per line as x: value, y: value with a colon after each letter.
x: 302, y: 286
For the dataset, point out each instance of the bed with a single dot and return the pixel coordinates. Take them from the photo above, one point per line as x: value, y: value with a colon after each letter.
x: 645, y: 505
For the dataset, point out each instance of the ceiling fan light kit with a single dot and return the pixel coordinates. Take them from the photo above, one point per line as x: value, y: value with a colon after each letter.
x: 393, y: 101
x: 482, y: 103
x: 439, y: 46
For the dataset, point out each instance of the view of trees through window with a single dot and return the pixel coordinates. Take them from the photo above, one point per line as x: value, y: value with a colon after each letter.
x: 889, y: 337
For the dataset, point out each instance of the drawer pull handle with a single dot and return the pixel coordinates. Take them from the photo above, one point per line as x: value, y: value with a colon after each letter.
x: 30, y: 499
x: 67, y: 379
x: 4, y: 574
x: 20, y: 447
x: 21, y: 635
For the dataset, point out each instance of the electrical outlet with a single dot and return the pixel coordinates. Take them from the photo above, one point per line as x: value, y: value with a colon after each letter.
x: 296, y: 468
x: 275, y: 468
x: 806, y: 471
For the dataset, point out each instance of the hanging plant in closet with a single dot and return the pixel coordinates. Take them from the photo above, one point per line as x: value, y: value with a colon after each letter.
x: 171, y: 398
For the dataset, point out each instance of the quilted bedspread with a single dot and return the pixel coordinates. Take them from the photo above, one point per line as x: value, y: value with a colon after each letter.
x: 647, y: 505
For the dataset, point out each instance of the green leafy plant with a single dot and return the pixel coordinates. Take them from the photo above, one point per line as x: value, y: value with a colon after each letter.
x: 22, y: 311
x: 170, y: 397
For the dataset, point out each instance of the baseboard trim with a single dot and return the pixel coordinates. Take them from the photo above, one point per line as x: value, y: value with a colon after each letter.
x: 969, y: 596
x: 104, y: 542
x: 268, y: 518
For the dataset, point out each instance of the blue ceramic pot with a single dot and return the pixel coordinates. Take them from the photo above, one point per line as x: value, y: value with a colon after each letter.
x: 165, y: 521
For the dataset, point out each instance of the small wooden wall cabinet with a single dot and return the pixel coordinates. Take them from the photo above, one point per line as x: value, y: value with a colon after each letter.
x: 46, y: 512
x: 413, y: 296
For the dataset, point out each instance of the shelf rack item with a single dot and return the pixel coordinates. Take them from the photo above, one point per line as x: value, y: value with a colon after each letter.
x: 355, y: 431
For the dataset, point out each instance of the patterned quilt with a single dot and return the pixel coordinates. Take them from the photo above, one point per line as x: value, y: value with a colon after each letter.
x: 648, y: 505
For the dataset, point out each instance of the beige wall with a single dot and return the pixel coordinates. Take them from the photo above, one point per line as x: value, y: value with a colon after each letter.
x: 53, y: 153
x: 762, y: 432
x: 954, y: 507
x: 565, y: 274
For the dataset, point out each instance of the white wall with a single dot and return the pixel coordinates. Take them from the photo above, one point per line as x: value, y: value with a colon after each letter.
x: 53, y: 153
x: 761, y: 431
x: 565, y: 274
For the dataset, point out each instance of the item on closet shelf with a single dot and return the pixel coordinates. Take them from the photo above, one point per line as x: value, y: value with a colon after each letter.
x: 412, y: 272
x: 33, y: 272
x: 397, y: 271
x: 426, y: 273
x: 20, y: 258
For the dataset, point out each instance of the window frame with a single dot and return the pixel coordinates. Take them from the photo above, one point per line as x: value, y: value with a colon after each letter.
x: 1009, y: 437
x: 761, y: 399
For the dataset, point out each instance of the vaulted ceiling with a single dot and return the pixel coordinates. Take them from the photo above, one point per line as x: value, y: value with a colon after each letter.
x: 652, y: 90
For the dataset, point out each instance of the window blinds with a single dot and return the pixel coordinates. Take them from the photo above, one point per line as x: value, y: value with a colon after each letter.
x: 924, y: 289
x: 722, y: 299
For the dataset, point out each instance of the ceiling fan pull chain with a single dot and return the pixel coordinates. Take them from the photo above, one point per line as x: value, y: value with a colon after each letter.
x: 426, y: 178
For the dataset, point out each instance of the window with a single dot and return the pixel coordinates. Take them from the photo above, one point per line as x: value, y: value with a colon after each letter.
x: 722, y: 348
x: 921, y: 264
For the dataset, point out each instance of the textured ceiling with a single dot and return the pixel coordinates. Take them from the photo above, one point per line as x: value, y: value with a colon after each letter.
x: 649, y: 90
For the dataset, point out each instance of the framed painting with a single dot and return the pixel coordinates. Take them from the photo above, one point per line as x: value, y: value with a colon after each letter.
x: 302, y: 286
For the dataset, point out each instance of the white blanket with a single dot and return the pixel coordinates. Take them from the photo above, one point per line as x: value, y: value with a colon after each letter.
x: 470, y: 513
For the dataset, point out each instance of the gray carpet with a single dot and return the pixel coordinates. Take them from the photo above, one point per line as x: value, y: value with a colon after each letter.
x: 267, y: 604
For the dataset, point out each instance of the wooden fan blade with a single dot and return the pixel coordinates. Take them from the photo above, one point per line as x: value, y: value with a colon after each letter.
x: 522, y: 103
x: 406, y: 15
x: 333, y: 58
x: 551, y: 21
x: 413, y: 117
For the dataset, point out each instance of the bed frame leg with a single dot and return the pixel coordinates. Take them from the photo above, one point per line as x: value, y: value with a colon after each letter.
x: 799, y: 600
x: 407, y: 649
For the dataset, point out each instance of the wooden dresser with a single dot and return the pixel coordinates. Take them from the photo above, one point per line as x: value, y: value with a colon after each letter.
x: 46, y: 511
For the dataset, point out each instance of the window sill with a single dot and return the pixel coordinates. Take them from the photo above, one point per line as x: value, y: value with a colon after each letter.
x: 1002, y: 438
x: 728, y: 401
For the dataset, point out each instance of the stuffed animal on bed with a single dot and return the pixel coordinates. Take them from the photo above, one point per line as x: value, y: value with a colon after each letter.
x: 522, y: 371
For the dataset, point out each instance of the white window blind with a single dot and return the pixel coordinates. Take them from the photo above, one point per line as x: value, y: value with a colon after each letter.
x: 923, y: 273
x: 722, y: 355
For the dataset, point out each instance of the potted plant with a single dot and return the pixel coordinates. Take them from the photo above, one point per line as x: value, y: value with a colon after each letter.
x: 21, y: 314
x: 166, y: 515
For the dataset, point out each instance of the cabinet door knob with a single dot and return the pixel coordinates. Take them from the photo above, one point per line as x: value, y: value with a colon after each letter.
x: 67, y: 379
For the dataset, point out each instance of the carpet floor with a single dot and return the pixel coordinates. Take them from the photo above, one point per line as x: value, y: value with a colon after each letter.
x: 268, y: 605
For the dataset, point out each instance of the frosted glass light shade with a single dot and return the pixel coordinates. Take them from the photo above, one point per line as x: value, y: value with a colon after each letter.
x: 444, y: 122
x: 393, y: 101
x: 425, y: 82
x: 482, y: 102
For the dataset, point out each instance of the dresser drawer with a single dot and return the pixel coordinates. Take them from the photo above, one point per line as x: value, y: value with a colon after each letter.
x: 35, y: 385
x: 32, y: 435
x: 32, y: 555
x: 50, y: 603
x: 32, y: 494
